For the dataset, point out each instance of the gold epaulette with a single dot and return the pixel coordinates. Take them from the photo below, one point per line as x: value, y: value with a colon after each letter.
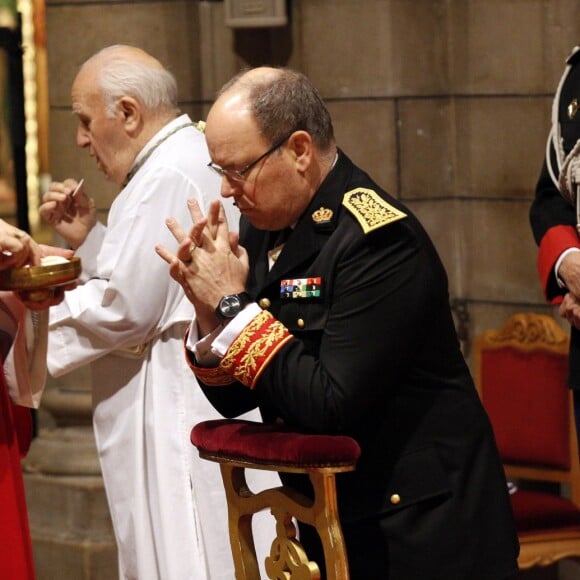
x: 370, y: 209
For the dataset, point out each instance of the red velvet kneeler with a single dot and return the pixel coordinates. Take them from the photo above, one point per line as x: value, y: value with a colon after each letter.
x: 272, y: 443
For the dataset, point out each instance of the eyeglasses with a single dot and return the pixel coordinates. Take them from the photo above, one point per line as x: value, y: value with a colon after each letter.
x: 240, y: 174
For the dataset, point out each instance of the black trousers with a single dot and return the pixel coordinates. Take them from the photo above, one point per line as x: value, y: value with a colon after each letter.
x: 367, y: 557
x: 365, y: 560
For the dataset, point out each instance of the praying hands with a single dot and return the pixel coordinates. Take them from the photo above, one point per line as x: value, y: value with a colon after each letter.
x: 209, y: 262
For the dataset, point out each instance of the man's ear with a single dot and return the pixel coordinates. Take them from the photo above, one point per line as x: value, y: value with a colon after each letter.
x: 301, y: 146
x: 130, y: 111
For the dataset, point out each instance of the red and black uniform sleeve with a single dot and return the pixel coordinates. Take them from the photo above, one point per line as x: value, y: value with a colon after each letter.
x: 553, y: 221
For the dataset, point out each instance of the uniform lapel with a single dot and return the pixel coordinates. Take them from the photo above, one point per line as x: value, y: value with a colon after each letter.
x: 302, y: 244
x: 256, y: 243
x: 309, y: 236
x: 315, y: 226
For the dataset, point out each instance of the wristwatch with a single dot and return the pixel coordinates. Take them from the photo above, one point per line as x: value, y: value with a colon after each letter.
x: 232, y: 304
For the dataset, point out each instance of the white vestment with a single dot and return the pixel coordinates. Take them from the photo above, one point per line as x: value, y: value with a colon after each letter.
x: 128, y: 319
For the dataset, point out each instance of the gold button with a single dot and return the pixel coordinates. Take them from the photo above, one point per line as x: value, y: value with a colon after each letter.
x: 395, y: 499
x: 264, y: 303
x: 300, y: 323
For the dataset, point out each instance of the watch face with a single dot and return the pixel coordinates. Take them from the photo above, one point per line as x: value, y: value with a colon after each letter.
x: 230, y: 306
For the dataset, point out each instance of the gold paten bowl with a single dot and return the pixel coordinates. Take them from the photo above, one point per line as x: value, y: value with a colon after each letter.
x: 40, y: 277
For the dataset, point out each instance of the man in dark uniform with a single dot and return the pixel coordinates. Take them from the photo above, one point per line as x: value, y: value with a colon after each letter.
x: 371, y: 352
x: 554, y: 217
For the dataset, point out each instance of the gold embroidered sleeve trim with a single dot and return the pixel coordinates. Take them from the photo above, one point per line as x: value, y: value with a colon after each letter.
x: 211, y: 376
x: 370, y: 209
x: 252, y: 351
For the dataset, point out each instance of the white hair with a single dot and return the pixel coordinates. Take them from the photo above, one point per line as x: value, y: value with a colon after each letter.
x: 121, y: 75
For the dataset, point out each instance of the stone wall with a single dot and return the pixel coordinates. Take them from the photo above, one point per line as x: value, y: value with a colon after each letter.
x: 445, y: 102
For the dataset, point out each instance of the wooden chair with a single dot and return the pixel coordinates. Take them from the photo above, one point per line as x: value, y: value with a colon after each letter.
x: 521, y: 375
x: 237, y: 445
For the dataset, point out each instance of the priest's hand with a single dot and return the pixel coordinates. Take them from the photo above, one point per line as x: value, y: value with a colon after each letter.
x: 67, y: 208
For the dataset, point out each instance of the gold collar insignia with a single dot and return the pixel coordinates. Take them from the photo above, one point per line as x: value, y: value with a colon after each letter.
x: 322, y: 215
x: 370, y: 209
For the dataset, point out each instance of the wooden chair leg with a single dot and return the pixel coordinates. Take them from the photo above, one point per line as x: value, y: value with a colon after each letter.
x: 327, y: 525
x: 286, y: 554
x: 240, y: 523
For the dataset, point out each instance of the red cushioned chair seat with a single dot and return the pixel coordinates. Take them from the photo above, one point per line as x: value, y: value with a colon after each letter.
x: 272, y: 443
x: 535, y: 511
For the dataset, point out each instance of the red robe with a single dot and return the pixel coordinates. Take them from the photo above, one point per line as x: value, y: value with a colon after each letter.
x: 15, y: 435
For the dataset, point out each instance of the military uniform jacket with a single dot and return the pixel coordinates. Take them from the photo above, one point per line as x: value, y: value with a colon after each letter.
x: 369, y: 350
x: 553, y: 218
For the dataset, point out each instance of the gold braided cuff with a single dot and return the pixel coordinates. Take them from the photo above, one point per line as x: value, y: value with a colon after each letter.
x: 211, y: 376
x: 254, y: 348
